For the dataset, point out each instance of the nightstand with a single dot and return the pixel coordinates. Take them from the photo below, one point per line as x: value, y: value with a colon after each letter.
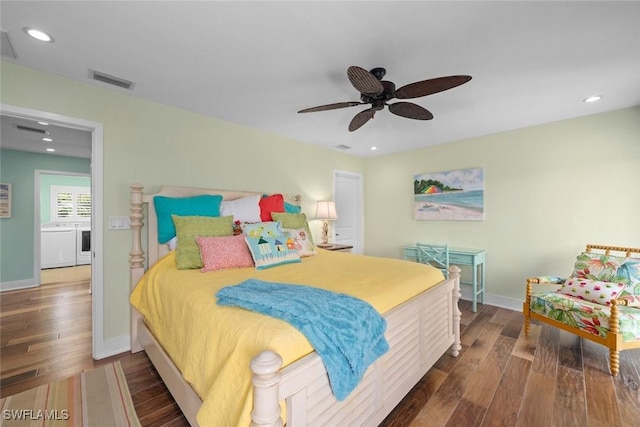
x: 337, y: 248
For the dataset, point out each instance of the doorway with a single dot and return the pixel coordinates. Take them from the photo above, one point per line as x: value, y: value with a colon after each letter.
x: 348, y: 197
x: 99, y: 349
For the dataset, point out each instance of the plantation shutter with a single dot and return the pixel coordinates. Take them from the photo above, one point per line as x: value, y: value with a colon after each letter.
x: 70, y: 204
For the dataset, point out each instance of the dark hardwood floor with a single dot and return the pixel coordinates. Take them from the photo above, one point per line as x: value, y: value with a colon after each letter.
x: 500, y: 378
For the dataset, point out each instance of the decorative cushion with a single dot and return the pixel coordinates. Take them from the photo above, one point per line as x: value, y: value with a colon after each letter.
x: 262, y: 229
x: 609, y: 268
x: 244, y: 209
x: 218, y: 253
x: 301, y: 242
x: 203, y: 205
x: 272, y: 203
x: 587, y: 316
x: 592, y: 290
x: 190, y: 227
x: 293, y: 220
x: 291, y: 208
x: 269, y: 252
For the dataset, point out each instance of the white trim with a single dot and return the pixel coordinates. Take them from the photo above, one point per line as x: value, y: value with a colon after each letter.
x: 112, y: 346
x: 18, y: 284
x: 97, y: 221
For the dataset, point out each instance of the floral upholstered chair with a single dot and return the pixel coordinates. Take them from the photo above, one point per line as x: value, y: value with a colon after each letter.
x: 600, y: 301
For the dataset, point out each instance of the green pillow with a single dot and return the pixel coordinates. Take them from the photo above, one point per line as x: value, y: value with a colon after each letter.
x: 293, y: 220
x: 190, y: 227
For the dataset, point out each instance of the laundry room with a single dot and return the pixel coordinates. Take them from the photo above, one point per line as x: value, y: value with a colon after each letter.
x: 65, y: 216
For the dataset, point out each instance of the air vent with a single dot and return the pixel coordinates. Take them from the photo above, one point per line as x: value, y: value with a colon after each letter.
x: 343, y: 147
x: 111, y: 80
x: 6, y: 49
x: 34, y: 130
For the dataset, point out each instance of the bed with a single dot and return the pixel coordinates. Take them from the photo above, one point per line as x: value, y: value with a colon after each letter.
x: 281, y: 383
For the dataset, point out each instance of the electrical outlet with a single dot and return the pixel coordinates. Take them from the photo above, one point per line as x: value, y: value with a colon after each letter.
x: 119, y: 223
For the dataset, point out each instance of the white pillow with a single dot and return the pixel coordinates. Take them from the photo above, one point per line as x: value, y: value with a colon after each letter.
x: 245, y: 209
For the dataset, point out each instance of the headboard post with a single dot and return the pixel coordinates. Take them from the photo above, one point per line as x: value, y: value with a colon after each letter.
x: 136, y: 256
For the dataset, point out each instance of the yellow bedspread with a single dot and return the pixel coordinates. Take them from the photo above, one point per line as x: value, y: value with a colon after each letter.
x: 213, y: 345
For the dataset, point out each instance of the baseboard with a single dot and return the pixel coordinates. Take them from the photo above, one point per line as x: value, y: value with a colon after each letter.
x: 495, y: 300
x: 112, y: 346
x: 18, y: 284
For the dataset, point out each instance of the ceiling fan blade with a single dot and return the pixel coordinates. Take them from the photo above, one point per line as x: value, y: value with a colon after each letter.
x: 364, y: 81
x: 410, y: 111
x: 431, y: 86
x: 330, y: 107
x: 361, y: 118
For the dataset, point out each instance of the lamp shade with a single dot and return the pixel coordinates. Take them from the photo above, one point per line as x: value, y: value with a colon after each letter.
x: 326, y: 210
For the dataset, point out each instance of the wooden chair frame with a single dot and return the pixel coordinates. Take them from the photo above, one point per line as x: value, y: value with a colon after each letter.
x: 613, y: 341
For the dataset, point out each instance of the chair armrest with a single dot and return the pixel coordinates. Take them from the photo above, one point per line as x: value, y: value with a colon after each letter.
x: 550, y: 280
x: 629, y: 300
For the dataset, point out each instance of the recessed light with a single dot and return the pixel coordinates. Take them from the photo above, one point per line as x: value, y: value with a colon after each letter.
x: 39, y: 35
x: 47, y: 139
x: 51, y: 150
x: 374, y: 148
x: 43, y: 123
x: 593, y: 98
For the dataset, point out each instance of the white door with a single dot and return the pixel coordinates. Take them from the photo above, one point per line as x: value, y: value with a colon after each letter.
x: 348, y: 198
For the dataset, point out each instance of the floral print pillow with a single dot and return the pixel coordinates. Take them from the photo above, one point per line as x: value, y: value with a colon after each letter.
x: 592, y: 290
x: 609, y: 268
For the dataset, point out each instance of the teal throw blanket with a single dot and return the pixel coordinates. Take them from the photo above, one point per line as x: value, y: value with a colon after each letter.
x: 346, y: 332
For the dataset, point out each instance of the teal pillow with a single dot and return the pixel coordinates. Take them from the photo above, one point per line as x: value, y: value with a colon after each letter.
x: 269, y: 252
x: 202, y: 205
x: 190, y: 227
x: 291, y: 208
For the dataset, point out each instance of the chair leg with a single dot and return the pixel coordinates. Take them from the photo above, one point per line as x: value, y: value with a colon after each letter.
x: 614, y: 361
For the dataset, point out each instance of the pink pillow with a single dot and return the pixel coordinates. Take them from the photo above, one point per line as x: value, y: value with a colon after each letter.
x: 591, y: 290
x: 218, y: 253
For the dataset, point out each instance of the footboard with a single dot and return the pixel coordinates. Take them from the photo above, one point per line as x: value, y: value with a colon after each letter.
x: 419, y: 332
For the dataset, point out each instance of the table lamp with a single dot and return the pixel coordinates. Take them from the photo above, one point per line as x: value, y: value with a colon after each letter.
x: 326, y: 211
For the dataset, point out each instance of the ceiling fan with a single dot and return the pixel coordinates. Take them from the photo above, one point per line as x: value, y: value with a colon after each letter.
x: 377, y: 92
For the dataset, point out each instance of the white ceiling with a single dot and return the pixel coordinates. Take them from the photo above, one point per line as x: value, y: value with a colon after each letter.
x: 257, y: 63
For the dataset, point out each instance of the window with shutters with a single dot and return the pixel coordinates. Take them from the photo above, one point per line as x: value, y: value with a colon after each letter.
x: 70, y: 204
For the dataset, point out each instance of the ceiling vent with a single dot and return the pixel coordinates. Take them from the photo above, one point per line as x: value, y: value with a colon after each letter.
x: 343, y: 147
x: 111, y: 80
x: 6, y: 48
x: 34, y: 130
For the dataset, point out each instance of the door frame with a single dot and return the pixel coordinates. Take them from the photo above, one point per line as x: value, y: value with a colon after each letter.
x: 359, y: 203
x: 97, y: 264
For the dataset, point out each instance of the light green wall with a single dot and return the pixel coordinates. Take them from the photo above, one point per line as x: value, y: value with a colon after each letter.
x: 152, y: 144
x: 17, y: 233
x: 549, y: 191
x: 46, y: 181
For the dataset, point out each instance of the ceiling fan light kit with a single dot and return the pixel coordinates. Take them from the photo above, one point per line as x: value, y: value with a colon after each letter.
x: 377, y: 92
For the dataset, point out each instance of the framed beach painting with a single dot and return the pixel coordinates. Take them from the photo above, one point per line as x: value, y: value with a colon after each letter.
x: 452, y: 195
x: 5, y: 200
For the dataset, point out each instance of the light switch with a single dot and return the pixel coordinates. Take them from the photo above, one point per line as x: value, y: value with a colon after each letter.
x: 119, y: 223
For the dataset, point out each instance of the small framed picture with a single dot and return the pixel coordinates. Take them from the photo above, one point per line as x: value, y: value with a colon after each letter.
x: 5, y: 200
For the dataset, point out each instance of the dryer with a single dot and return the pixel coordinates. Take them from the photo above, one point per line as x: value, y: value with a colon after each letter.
x: 83, y: 244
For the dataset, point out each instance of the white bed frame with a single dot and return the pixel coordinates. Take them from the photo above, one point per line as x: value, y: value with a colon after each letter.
x: 419, y: 331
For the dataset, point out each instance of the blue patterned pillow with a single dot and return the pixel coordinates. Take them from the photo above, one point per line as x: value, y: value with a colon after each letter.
x: 270, y: 252
x: 262, y: 229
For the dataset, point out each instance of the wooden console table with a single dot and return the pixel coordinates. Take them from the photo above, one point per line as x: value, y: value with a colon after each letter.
x: 462, y: 256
